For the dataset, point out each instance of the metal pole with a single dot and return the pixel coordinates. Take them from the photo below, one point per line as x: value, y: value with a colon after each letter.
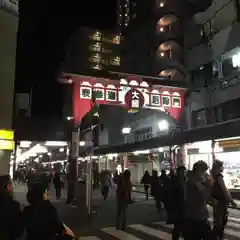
x: 14, y: 160
x: 89, y: 178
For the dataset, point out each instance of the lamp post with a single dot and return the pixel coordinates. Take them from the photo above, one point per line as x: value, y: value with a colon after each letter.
x: 125, y: 131
x: 163, y: 125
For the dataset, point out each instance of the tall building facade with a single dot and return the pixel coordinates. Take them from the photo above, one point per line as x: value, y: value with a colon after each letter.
x: 93, y: 49
x: 213, y: 62
x: 154, y: 41
x: 126, y: 12
x: 8, y: 41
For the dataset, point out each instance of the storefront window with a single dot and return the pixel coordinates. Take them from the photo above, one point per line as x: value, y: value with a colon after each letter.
x: 231, y: 63
x: 231, y: 172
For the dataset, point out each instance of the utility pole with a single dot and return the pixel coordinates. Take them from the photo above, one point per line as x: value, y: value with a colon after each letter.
x: 73, y: 164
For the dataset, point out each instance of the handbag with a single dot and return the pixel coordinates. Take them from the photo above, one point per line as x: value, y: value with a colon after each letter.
x: 64, y: 235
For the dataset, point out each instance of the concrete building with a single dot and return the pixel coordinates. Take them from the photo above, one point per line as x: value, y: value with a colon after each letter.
x: 92, y: 49
x: 154, y: 41
x: 212, y: 59
x: 126, y: 12
x: 8, y: 29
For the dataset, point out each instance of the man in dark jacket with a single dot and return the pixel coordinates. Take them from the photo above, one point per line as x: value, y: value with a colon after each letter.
x: 10, y: 212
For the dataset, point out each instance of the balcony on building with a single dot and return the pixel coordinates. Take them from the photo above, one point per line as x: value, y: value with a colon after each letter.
x: 165, y: 7
x: 173, y: 74
x: 169, y: 27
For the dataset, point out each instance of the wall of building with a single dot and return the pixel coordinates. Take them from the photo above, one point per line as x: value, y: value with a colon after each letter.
x: 112, y: 118
x: 211, y: 40
x: 144, y: 124
x: 8, y: 40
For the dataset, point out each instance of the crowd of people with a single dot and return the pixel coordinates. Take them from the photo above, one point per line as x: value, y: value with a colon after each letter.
x: 185, y: 196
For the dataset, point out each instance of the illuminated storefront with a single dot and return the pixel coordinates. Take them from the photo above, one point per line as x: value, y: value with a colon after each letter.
x: 226, y: 150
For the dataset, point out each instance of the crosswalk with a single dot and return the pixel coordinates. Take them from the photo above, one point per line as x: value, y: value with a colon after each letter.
x: 156, y: 230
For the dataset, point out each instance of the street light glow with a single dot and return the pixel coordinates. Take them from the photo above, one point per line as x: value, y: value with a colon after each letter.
x: 126, y: 130
x: 163, y: 125
x: 82, y: 143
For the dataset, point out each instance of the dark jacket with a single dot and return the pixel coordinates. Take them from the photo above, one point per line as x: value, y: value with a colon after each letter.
x: 42, y: 221
x: 124, y: 191
x: 57, y: 181
x: 196, y: 196
x: 11, y: 227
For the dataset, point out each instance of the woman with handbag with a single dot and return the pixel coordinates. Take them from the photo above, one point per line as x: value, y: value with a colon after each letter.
x: 40, y: 218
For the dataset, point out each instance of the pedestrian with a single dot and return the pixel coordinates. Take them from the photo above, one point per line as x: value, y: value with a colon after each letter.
x: 40, y: 218
x: 197, y: 194
x: 178, y: 206
x: 124, y: 198
x: 11, y: 227
x: 221, y: 200
x: 106, y: 184
x: 146, y: 181
x: 165, y: 194
x: 155, y: 189
x: 57, y: 184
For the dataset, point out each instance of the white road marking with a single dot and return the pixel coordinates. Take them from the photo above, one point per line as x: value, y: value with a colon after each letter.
x: 151, y: 231
x: 119, y: 234
x: 89, y: 238
x: 228, y: 231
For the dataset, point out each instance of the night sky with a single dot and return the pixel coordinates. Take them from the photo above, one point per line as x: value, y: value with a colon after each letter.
x: 44, y: 28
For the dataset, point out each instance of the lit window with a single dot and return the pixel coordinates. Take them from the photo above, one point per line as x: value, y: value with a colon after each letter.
x: 161, y: 4
x: 116, y: 39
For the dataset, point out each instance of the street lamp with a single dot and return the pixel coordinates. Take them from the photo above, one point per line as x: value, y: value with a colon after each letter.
x: 163, y: 125
x: 126, y: 130
x: 82, y: 143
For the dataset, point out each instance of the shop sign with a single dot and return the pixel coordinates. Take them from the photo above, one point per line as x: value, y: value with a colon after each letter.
x: 130, y: 94
x: 226, y: 144
x: 193, y: 151
x: 6, y: 145
x: 6, y: 134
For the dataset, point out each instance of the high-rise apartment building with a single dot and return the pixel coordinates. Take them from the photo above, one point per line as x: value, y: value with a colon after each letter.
x: 93, y: 49
x: 154, y: 41
x: 126, y: 12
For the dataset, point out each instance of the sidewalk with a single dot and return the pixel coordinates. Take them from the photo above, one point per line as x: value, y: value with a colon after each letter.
x: 140, y: 212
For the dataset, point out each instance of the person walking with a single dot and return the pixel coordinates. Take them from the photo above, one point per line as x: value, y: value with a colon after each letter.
x: 40, y: 218
x: 197, y: 194
x: 221, y: 200
x: 57, y: 184
x: 124, y: 198
x: 146, y: 181
x: 178, y: 207
x: 11, y: 227
x: 106, y: 184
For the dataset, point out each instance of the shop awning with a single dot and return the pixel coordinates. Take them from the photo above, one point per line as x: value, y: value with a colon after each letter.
x: 210, y: 132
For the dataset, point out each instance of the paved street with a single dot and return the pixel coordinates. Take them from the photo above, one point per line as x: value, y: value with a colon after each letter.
x: 143, y: 220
